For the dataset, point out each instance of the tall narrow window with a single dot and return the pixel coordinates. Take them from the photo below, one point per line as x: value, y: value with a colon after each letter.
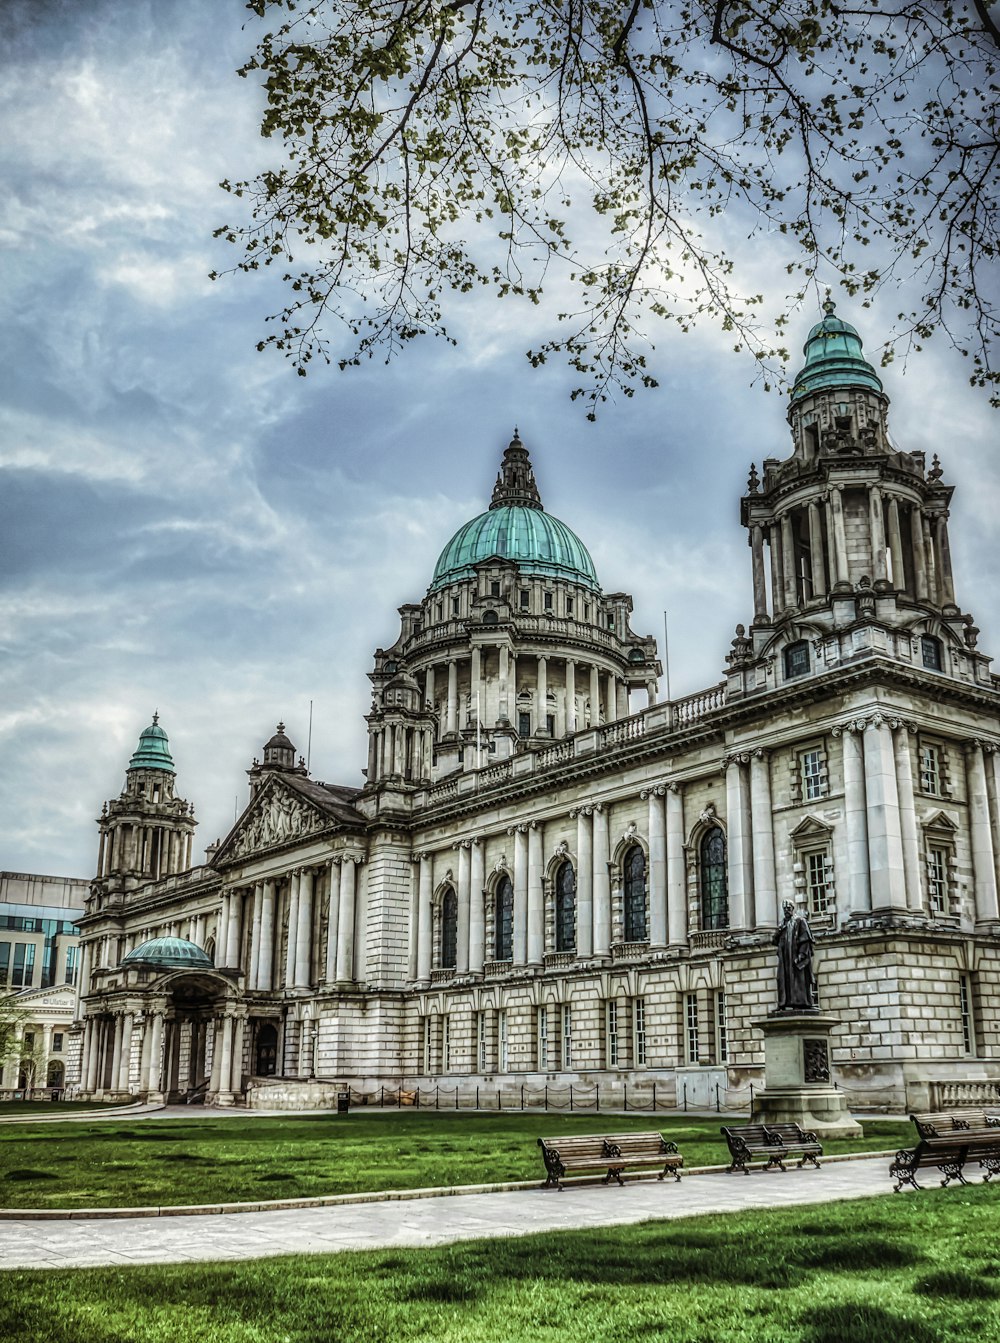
x: 937, y: 879
x: 634, y: 893
x: 691, y: 1028
x: 814, y: 779
x: 446, y: 1045
x: 565, y: 908
x: 523, y: 723
x: 611, y: 1008
x: 930, y: 652
x: 503, y: 942
x: 796, y: 660
x: 818, y: 882
x: 427, y: 1062
x: 449, y: 930
x: 930, y: 769
x: 965, y: 1007
x: 72, y: 958
x: 639, y: 1032
x: 502, y: 1041
x: 483, y: 1054
x: 567, y: 1037
x: 714, y: 894
x: 542, y: 1038
x: 721, y: 1029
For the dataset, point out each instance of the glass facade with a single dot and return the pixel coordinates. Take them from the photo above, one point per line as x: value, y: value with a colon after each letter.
x: 15, y: 955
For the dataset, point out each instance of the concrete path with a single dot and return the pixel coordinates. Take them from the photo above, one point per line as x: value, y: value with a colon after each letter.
x: 78, y: 1243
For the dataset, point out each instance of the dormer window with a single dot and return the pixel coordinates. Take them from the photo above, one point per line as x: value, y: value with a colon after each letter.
x: 796, y: 660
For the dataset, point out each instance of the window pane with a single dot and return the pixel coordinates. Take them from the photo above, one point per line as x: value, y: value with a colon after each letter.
x: 566, y: 908
x: 449, y: 930
x: 797, y: 659
x: 635, y: 895
x: 714, y: 893
x: 504, y: 931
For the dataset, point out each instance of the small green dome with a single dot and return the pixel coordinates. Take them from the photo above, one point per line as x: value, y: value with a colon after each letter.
x: 537, y: 542
x: 834, y: 358
x: 153, y: 752
x: 169, y: 953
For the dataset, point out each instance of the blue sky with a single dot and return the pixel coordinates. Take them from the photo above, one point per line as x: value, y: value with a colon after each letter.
x: 187, y: 526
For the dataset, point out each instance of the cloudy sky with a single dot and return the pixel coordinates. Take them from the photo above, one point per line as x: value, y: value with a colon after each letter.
x: 187, y: 526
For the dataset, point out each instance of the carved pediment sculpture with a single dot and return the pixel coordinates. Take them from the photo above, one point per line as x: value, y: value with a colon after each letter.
x: 280, y: 816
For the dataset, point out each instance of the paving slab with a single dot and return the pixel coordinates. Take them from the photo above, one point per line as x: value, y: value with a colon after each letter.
x: 422, y: 1222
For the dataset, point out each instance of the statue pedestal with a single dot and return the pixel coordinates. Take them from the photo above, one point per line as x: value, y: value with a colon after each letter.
x: 797, y: 1086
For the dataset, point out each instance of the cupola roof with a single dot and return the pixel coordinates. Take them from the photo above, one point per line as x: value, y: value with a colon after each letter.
x: 834, y: 358
x: 169, y: 953
x: 516, y: 527
x: 153, y: 751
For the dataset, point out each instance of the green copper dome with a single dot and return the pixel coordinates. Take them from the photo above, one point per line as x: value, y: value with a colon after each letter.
x: 834, y: 358
x: 169, y: 953
x: 516, y: 527
x: 153, y: 752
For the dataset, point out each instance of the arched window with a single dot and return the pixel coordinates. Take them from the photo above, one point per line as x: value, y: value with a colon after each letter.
x: 449, y: 930
x: 634, y: 892
x: 566, y: 908
x: 796, y: 660
x: 930, y: 652
x: 714, y: 895
x: 503, y: 927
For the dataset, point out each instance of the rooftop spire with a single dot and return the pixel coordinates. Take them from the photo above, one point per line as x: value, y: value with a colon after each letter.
x: 516, y: 480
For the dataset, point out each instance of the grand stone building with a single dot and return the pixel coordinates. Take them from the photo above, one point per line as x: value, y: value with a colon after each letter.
x: 537, y: 882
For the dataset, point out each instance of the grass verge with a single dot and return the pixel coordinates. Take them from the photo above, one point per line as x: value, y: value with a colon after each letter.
x: 133, y: 1163
x: 896, y: 1269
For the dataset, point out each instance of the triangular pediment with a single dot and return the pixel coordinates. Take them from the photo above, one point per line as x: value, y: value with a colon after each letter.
x: 811, y: 829
x: 940, y: 821
x: 279, y: 815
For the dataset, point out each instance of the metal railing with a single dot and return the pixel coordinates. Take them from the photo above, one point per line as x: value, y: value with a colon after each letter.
x: 578, y: 1097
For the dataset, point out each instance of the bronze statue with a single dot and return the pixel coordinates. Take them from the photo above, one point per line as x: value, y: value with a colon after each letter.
x: 794, y: 941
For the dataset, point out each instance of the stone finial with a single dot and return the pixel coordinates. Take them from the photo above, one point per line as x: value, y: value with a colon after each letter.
x: 753, y: 480
x: 742, y: 648
x: 935, y: 473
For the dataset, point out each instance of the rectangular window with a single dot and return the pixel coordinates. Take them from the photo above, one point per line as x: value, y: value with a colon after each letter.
x: 439, y: 612
x: 930, y: 770
x: 550, y: 724
x: 57, y: 1042
x: 965, y: 1007
x: 483, y: 1056
x: 426, y: 1061
x: 639, y: 1032
x: 548, y: 601
x: 502, y: 1041
x: 4, y: 964
x: 611, y: 1010
x: 813, y: 767
x: 495, y: 587
x: 569, y: 606
x: 818, y: 882
x: 542, y: 1038
x: 586, y: 610
x: 524, y: 599
x: 24, y: 965
x: 72, y: 961
x: 721, y: 1029
x: 446, y: 1045
x: 28, y: 1043
x: 691, y: 1027
x: 567, y: 1037
x: 523, y: 724
x: 937, y: 880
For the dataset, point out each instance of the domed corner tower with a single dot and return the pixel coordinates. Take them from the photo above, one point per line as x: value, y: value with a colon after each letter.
x: 514, y: 644
x: 147, y: 831
x: 848, y: 536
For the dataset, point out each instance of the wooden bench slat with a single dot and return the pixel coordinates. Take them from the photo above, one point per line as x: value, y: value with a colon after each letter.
x: 774, y: 1141
x: 609, y: 1152
x: 949, y: 1140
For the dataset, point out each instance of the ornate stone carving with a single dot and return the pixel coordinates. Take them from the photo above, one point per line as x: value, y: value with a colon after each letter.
x: 708, y: 816
x: 501, y: 864
x: 816, y: 1060
x: 279, y: 818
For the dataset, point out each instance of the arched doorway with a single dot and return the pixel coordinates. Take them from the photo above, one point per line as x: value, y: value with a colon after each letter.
x: 266, y: 1050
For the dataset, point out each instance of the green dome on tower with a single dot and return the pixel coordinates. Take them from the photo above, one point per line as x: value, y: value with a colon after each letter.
x: 516, y: 527
x: 834, y: 358
x: 153, y: 751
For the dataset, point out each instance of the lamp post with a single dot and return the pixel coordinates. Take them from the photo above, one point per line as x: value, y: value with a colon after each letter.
x: 313, y: 1036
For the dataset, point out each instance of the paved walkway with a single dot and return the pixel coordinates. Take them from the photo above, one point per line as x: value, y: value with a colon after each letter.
x: 80, y: 1242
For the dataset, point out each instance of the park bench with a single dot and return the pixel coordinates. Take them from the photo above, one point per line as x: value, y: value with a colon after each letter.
x: 949, y: 1141
x: 776, y: 1142
x: 611, y: 1153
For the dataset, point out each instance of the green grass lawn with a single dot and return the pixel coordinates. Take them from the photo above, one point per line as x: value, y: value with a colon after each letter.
x: 15, y: 1109
x: 919, y: 1268
x: 131, y: 1163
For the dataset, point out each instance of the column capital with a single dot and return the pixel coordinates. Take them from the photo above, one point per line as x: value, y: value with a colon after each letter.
x: 654, y: 790
x: 760, y: 753
x: 735, y: 758
x: 903, y: 725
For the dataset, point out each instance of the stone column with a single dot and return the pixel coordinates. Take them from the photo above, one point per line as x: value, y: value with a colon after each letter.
x: 234, y: 929
x: 610, y: 699
x: 303, y: 932
x: 345, y: 925
x: 476, y: 698
x: 885, y: 839
x: 571, y: 723
x: 759, y: 583
x: 777, y: 570
x: 595, y: 696
x: 876, y: 524
x: 265, y: 970
x: 677, y: 912
x: 944, y: 560
x: 425, y: 935
x: 859, y: 899
x: 412, y: 923
x: 520, y: 833
x: 839, y: 533
x: 983, y: 861
x: 333, y: 920
x: 429, y: 686
x: 462, y: 932
x: 291, y: 943
x: 765, y: 887
x: 919, y: 554
x: 536, y: 906
x: 896, y: 546
x: 992, y: 762
x: 788, y: 562
x: 477, y: 914
x: 584, y: 883
x: 156, y: 1052
x: 817, y: 574
x: 602, y: 883
x: 740, y: 870
x: 907, y: 813
x: 222, y: 931
x: 542, y: 696
x: 92, y: 1054
x: 503, y: 687
x: 125, y: 1069
x: 239, y: 1035
x: 451, y: 722
x: 82, y: 985
x: 116, y: 1054
x: 657, y: 868
x: 226, y: 1059
x: 258, y: 913
x: 933, y: 588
